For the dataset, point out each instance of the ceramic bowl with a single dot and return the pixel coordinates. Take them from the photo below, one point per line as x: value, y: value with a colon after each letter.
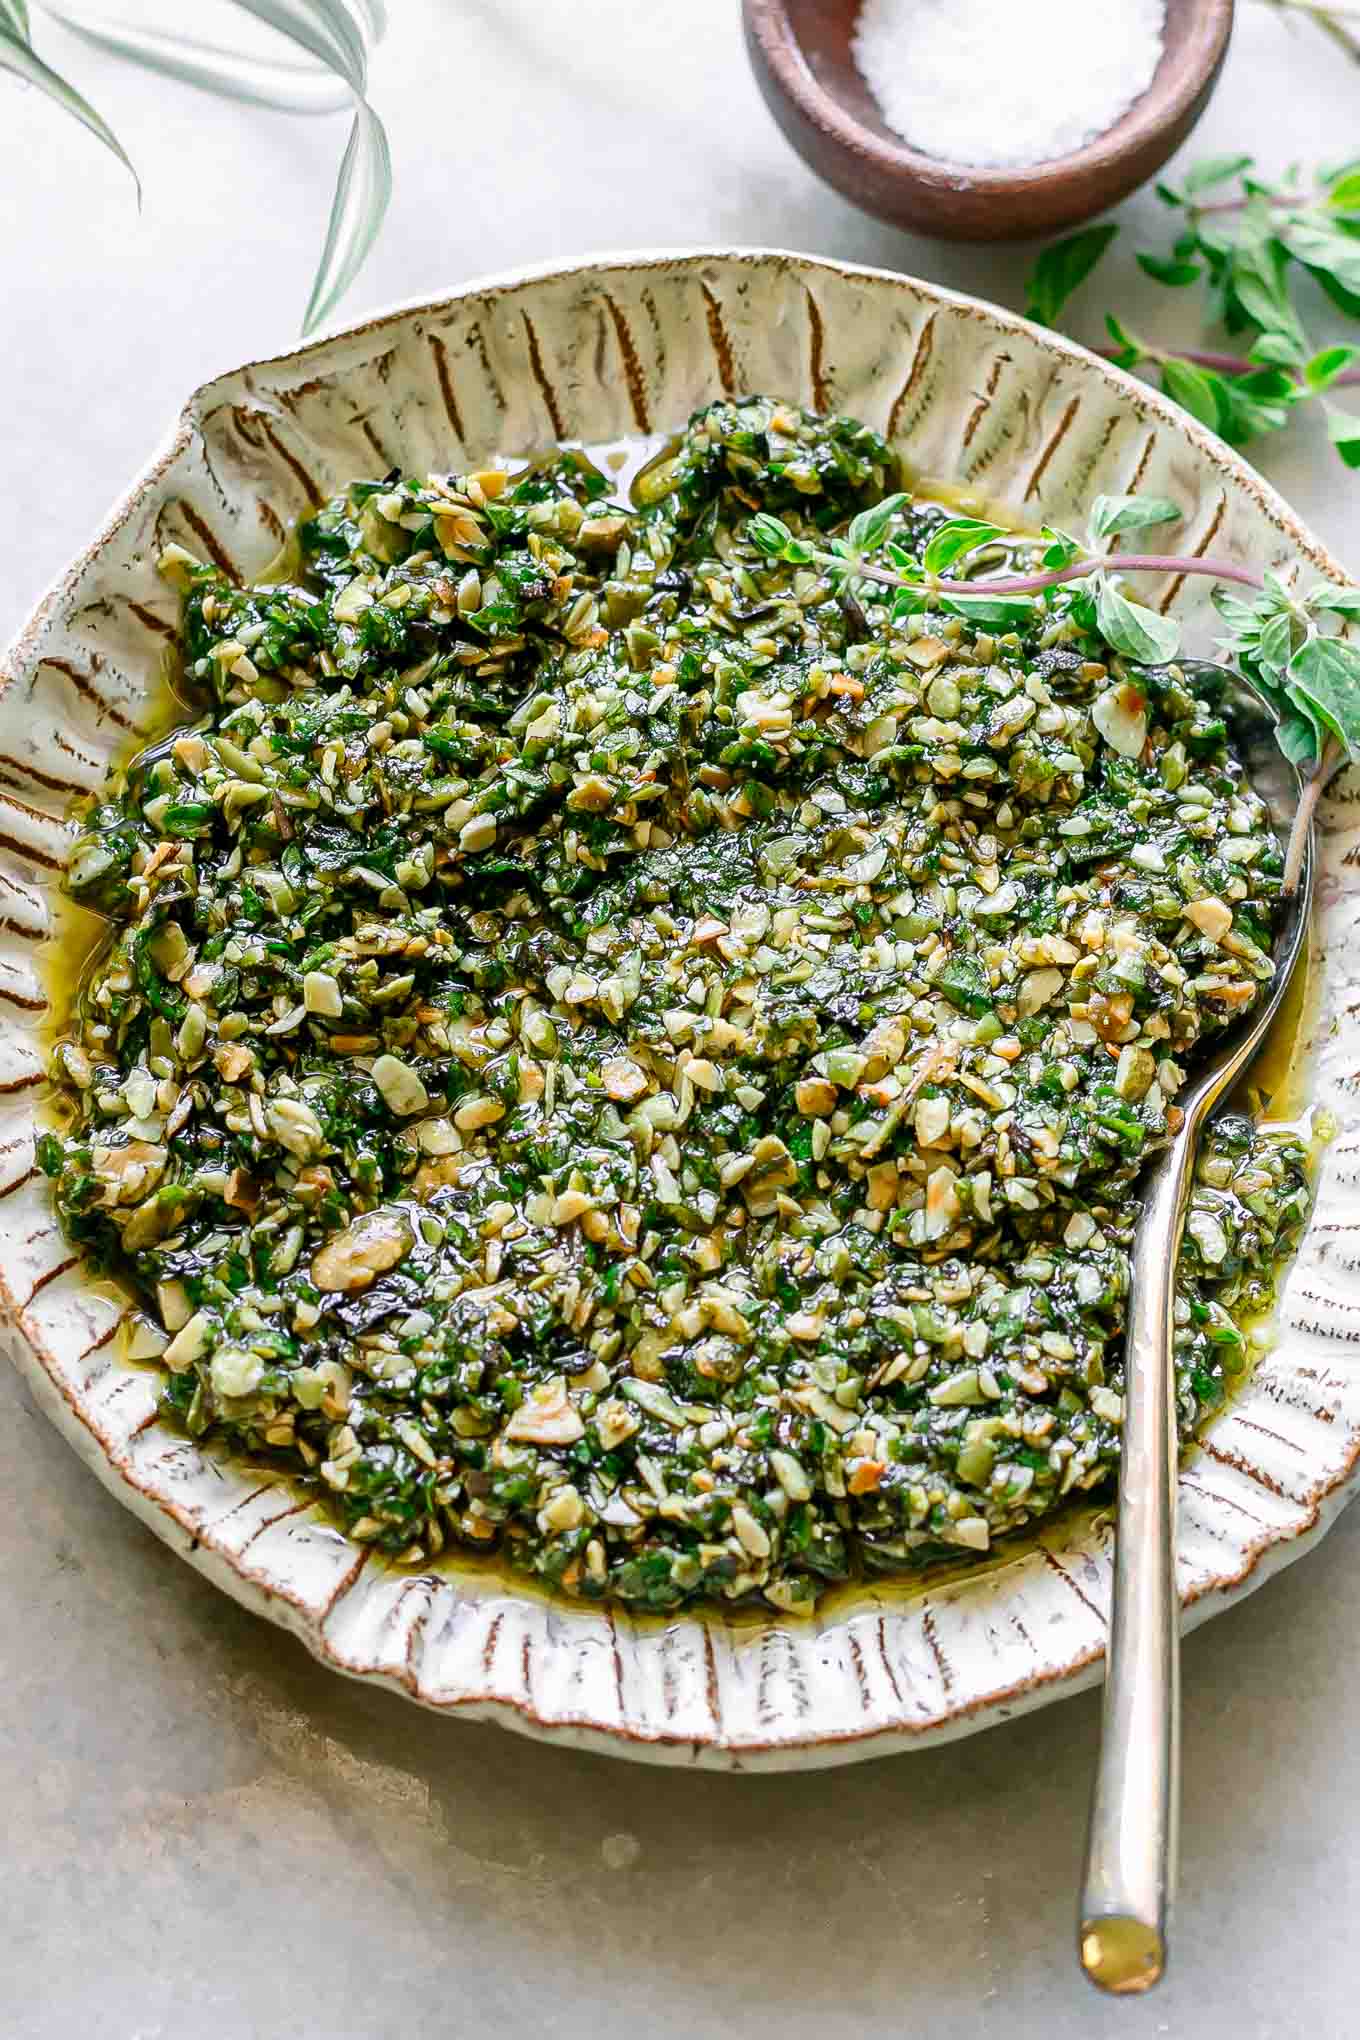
x: 604, y: 349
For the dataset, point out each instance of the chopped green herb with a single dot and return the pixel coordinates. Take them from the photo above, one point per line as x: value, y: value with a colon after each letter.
x: 622, y: 1045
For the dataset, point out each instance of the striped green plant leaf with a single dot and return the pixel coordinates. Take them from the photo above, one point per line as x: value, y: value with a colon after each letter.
x: 339, y: 32
x: 361, y: 197
x: 373, y: 14
x: 18, y: 56
x: 333, y: 36
x: 327, y: 29
x: 231, y: 74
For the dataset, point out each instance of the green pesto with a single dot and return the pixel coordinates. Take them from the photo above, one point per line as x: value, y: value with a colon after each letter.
x: 612, y: 1050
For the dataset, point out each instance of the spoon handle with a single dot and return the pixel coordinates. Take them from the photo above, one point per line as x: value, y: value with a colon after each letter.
x: 1131, y: 1847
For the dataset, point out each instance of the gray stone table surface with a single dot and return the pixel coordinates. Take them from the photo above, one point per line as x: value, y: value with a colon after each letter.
x: 205, y: 1835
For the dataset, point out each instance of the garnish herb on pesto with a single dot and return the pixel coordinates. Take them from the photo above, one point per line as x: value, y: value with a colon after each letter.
x: 610, y: 1047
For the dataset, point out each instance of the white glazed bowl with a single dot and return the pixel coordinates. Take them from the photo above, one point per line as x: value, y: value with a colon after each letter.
x: 623, y: 346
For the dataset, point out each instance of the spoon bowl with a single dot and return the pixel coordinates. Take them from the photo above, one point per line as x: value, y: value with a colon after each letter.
x: 803, y: 57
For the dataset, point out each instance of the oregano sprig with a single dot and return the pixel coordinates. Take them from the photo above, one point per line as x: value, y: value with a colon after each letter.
x: 1276, y: 635
x: 1248, y: 243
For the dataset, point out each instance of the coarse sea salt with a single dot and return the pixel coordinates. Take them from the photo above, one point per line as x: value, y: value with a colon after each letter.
x: 1002, y: 83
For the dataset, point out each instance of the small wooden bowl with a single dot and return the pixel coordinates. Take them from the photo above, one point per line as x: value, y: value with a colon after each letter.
x: 805, y: 66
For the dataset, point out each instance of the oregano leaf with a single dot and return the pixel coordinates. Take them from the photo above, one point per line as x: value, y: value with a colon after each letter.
x: 768, y: 534
x: 1275, y: 645
x: 1322, y: 246
x: 954, y: 540
x: 868, y: 531
x: 1214, y: 170
x: 1275, y: 349
x: 1347, y: 300
x: 1177, y: 274
x: 1322, y: 370
x: 1343, y: 195
x: 908, y: 602
x: 1255, y: 403
x: 1128, y: 351
x: 1133, y: 631
x: 903, y: 561
x: 1061, y: 549
x: 1237, y: 613
x: 995, y: 612
x: 1082, y: 606
x: 1193, y: 389
x: 1258, y: 284
x: 1297, y: 738
x: 1343, y: 429
x: 1062, y: 268
x: 1325, y: 673
x: 1113, y: 514
x: 1334, y: 601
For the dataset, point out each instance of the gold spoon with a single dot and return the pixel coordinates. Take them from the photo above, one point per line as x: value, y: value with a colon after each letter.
x: 1130, y: 1869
